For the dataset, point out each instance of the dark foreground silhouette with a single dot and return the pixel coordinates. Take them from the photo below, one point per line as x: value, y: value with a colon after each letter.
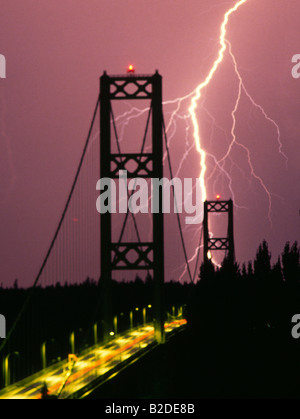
x: 238, y: 342
x: 190, y: 368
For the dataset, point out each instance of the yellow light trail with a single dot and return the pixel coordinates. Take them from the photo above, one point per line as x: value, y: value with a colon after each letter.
x: 198, y: 90
x: 89, y: 365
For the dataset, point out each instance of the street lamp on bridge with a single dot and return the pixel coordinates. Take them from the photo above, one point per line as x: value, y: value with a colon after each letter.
x: 6, y: 368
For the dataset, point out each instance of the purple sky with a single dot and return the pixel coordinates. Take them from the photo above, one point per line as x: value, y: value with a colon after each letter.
x: 56, y: 52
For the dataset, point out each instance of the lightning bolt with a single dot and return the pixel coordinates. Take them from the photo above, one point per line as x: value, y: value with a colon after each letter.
x: 198, y: 93
x: 224, y: 43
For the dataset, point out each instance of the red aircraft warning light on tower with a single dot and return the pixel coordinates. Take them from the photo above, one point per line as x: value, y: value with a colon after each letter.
x: 130, y: 69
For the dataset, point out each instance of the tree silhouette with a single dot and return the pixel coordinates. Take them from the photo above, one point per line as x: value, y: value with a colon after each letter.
x: 262, y: 286
x: 229, y: 270
x: 207, y: 271
x: 262, y: 262
x: 291, y: 262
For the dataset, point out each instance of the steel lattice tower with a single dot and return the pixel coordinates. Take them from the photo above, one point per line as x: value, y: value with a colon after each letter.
x: 218, y: 243
x: 149, y: 255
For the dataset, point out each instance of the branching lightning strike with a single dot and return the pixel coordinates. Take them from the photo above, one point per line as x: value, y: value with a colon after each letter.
x: 196, y: 97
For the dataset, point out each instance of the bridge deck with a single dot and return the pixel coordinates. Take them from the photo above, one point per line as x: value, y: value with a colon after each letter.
x: 66, y: 378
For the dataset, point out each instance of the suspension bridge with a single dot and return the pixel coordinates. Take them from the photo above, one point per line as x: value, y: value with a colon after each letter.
x: 88, y: 245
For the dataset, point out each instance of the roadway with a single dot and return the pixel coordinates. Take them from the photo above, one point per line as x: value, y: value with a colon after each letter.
x: 100, y: 362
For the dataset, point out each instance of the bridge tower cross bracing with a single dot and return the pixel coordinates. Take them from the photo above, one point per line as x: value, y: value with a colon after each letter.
x: 218, y: 243
x: 150, y: 255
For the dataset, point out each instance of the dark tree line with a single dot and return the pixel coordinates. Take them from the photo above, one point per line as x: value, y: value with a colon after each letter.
x: 232, y: 301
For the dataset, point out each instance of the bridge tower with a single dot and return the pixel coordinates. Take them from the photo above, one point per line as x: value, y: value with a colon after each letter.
x: 218, y: 243
x: 149, y: 254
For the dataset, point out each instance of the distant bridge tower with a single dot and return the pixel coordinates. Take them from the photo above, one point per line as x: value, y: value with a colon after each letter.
x: 116, y: 255
x: 218, y: 243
